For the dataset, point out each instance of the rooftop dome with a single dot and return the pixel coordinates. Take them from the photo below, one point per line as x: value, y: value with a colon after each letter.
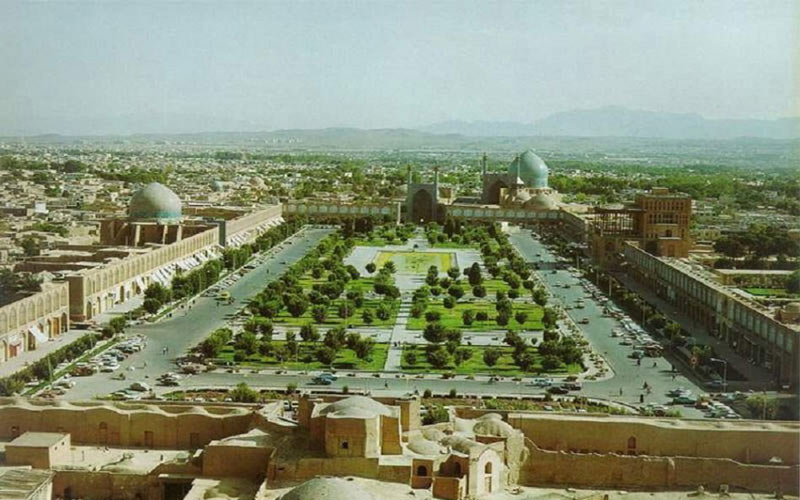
x: 532, y: 170
x: 155, y: 201
x: 327, y: 488
x: 356, y: 407
x: 793, y: 307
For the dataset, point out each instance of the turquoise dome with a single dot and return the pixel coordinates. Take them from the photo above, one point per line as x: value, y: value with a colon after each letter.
x: 155, y: 201
x: 532, y: 170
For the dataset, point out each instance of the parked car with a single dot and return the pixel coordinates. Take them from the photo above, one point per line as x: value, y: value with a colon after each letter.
x: 557, y: 389
x: 140, y: 387
x: 684, y: 400
x: 541, y: 382
x: 319, y: 380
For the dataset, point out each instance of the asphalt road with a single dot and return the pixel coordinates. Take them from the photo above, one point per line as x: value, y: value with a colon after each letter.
x: 187, y: 327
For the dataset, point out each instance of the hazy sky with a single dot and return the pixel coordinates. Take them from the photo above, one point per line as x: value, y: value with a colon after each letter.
x: 124, y: 67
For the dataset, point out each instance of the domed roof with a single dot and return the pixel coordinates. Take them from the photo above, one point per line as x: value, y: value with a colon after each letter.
x: 155, y: 201
x: 356, y: 407
x: 489, y: 426
x: 793, y: 307
x: 532, y: 170
x: 327, y: 488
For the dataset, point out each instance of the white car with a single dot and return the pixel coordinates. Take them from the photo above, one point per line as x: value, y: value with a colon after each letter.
x: 109, y: 367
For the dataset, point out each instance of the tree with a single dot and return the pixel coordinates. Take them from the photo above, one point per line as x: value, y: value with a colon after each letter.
x: 550, y: 336
x: 502, y: 318
x: 454, y: 272
x: 31, y: 246
x: 539, y: 296
x: 370, y: 267
x: 491, y: 355
x: 363, y: 348
x: 467, y: 317
x: 549, y: 317
x: 247, y: 342
x: 438, y: 358
x: 151, y: 305
x: 449, y: 302
x: 475, y: 278
x: 319, y: 313
x: 672, y: 331
x: 410, y: 357
x: 242, y: 393
x: 525, y: 360
x: 521, y: 317
x: 479, y: 291
x: 367, y: 317
x: 383, y: 311
x: 434, y: 333
x: 335, y: 338
x: 461, y: 355
x: 265, y: 348
x: 291, y: 343
x: 309, y: 333
x: 325, y: 355
x: 344, y: 310
x: 433, y: 316
x: 390, y: 266
x: 456, y: 291
x: 793, y: 282
x: 550, y: 363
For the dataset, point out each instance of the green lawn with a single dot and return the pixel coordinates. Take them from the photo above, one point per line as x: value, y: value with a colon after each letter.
x: 306, y: 360
x: 451, y: 318
x: 770, y: 292
x: 415, y: 262
x: 505, y: 365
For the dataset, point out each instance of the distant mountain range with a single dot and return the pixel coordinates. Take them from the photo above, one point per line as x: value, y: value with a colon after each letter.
x: 616, y: 121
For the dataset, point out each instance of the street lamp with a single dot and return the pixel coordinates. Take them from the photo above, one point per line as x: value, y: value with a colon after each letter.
x: 724, y: 372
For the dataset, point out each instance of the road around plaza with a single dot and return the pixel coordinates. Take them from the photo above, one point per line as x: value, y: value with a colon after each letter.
x: 188, y: 327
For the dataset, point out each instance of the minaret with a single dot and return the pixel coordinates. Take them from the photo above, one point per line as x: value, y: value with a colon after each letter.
x: 483, y: 164
x: 436, y: 180
x: 408, y: 181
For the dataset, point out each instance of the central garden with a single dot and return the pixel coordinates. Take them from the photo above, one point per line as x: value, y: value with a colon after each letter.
x: 321, y: 291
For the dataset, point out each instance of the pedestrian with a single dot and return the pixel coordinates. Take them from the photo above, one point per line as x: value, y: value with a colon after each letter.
x: 673, y: 376
x: 620, y: 391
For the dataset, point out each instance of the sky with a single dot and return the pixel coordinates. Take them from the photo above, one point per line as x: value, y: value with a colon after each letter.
x: 114, y: 67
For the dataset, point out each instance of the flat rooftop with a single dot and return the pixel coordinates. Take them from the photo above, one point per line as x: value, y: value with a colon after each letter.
x: 38, y: 439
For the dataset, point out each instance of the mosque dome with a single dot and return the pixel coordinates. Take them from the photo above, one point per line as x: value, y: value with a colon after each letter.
x: 327, y: 488
x: 532, y: 170
x: 155, y: 201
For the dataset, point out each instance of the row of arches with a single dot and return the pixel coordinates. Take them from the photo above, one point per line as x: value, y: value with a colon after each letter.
x: 18, y: 341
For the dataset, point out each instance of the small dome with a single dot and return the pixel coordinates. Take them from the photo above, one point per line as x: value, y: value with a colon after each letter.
x: 356, y: 407
x: 155, y: 201
x: 792, y: 307
x: 493, y: 427
x: 327, y: 488
x: 532, y: 170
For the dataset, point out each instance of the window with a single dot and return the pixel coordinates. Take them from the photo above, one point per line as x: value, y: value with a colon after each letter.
x: 631, y: 442
x: 422, y: 471
x: 345, y: 445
